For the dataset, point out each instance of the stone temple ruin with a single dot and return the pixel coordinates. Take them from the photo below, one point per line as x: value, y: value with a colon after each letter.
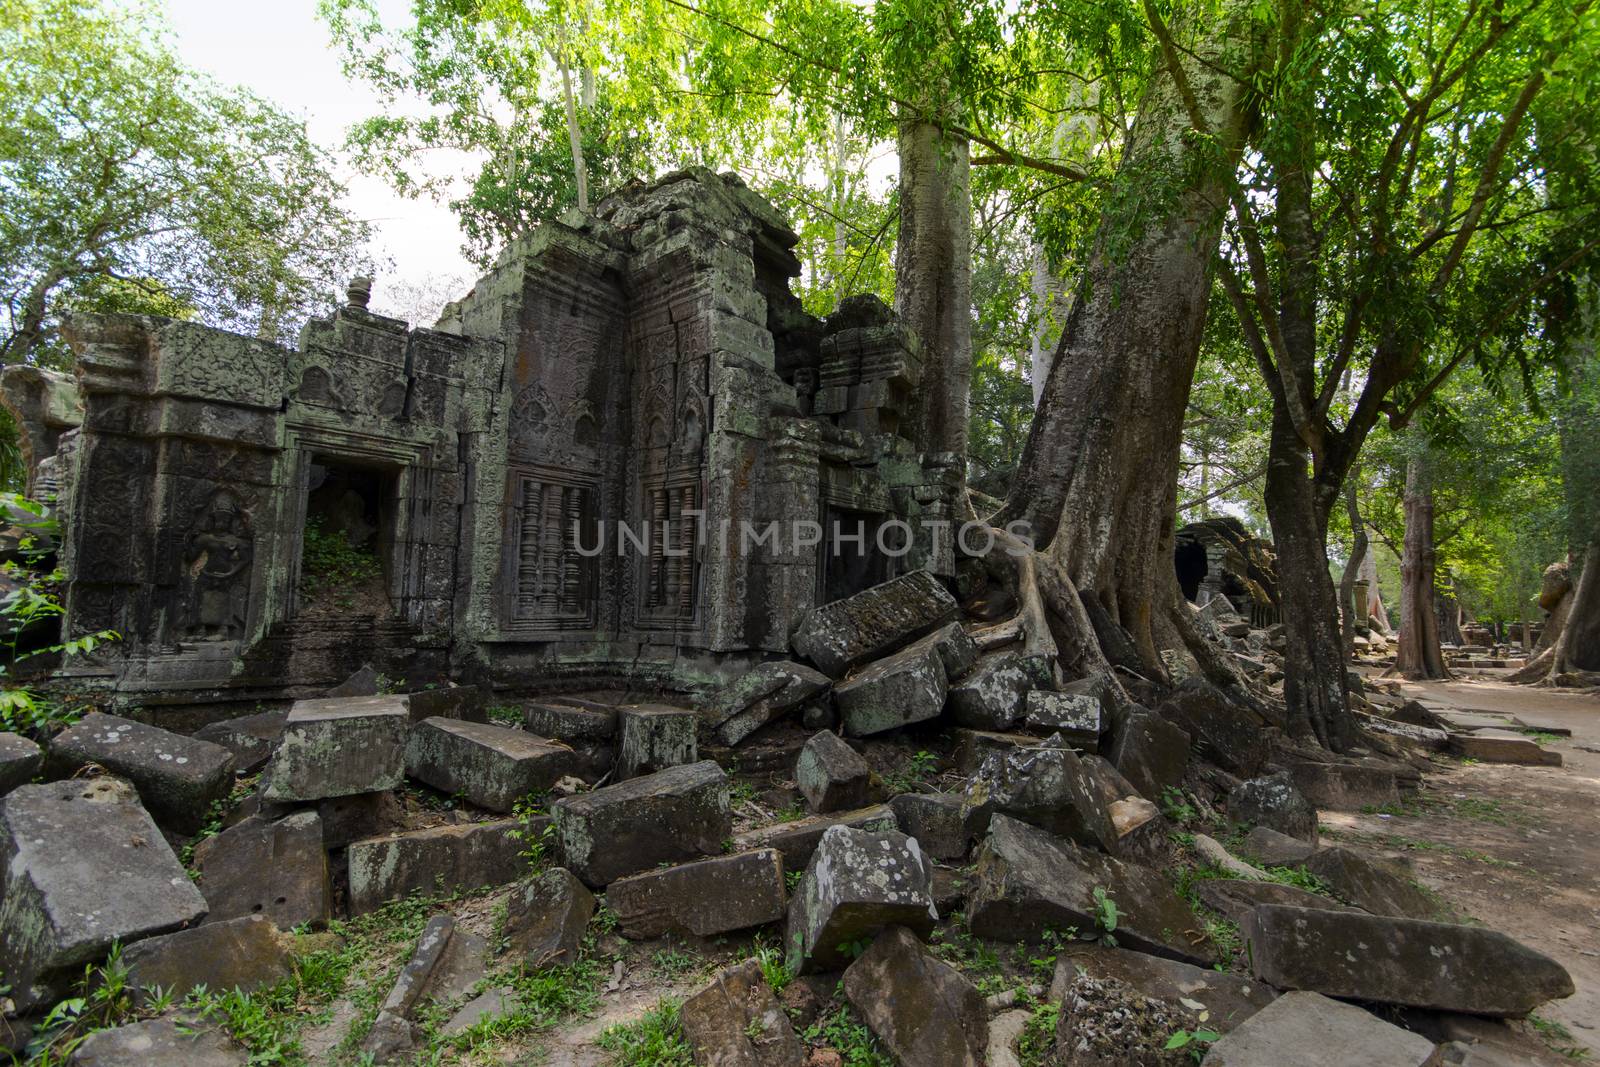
x: 646, y: 366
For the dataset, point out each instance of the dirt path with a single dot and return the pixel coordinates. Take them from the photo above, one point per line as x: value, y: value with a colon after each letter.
x: 1517, y: 848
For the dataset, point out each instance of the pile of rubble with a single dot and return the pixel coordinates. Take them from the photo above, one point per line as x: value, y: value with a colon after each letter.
x: 1053, y: 831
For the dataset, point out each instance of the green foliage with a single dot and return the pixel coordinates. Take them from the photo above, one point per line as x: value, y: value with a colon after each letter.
x: 131, y: 180
x: 104, y: 998
x: 1105, y: 916
x: 843, y: 1031
x: 331, y: 568
x: 654, y: 1040
x: 1194, y: 1040
x: 916, y: 770
x: 773, y: 968
x: 1038, y: 1039
x: 536, y: 840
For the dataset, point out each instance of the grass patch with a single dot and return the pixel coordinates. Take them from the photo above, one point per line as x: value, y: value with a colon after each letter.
x: 653, y: 1040
x: 843, y: 1030
x: 1038, y: 1038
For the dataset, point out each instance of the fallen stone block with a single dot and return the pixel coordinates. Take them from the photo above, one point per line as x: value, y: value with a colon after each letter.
x: 832, y: 776
x: 492, y: 766
x: 1274, y: 802
x: 1503, y: 746
x: 922, y: 1010
x: 1308, y: 1030
x: 1028, y: 881
x: 334, y: 748
x: 1272, y: 849
x: 1227, y: 999
x: 873, y: 622
x: 1370, y: 884
x: 1210, y: 851
x: 490, y: 1004
x: 545, y: 919
x: 1236, y: 898
x: 1079, y: 717
x: 762, y: 696
x: 934, y: 819
x: 1048, y: 786
x: 1231, y: 736
x: 447, y: 961
x: 1143, y: 834
x: 797, y: 840
x: 274, y: 868
x: 993, y: 694
x: 565, y: 722
x: 351, y: 818
x: 973, y: 747
x: 1441, y: 966
x: 651, y: 738
x: 244, y: 954
x: 1405, y: 733
x: 178, y: 777
x: 466, y: 703
x: 670, y: 816
x: 251, y: 738
x: 1151, y: 753
x: 907, y: 687
x: 1344, y: 786
x: 703, y: 898
x: 444, y: 859
x: 20, y: 761
x: 160, y: 1041
x: 856, y: 883
x: 737, y: 1022
x: 64, y: 906
x: 957, y: 651
x: 1105, y: 1022
x: 1417, y: 713
x: 362, y: 683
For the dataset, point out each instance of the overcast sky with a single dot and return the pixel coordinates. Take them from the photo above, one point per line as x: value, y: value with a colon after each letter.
x: 279, y: 49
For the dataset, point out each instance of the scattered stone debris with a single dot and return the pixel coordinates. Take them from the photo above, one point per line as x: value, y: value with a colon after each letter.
x: 703, y: 898
x: 276, y: 868
x: 857, y: 883
x: 921, y: 1009
x: 441, y: 859
x: 832, y: 776
x: 491, y: 766
x: 670, y: 816
x: 338, y: 747
x: 178, y: 777
x: 737, y: 1022
x: 872, y: 623
x: 652, y: 738
x: 1309, y: 1030
x: 546, y: 917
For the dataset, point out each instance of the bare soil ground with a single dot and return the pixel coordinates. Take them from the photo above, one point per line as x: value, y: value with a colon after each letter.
x: 1516, y: 848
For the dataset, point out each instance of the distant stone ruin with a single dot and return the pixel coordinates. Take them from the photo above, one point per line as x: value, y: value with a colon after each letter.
x: 556, y: 479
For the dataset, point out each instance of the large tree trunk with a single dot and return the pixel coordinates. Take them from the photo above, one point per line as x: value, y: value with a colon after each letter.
x: 1314, y: 656
x: 1375, y: 608
x: 1419, y: 655
x: 1355, y: 614
x: 1098, y: 479
x: 933, y: 278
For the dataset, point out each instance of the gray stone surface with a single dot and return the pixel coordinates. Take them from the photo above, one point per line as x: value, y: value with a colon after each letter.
x: 1047, y: 785
x: 468, y: 703
x: 565, y: 722
x: 442, y: 859
x: 922, y: 1010
x: 63, y: 907
x: 874, y: 622
x: 251, y: 738
x: 1237, y: 897
x: 1143, y: 835
x: 652, y: 738
x: 1106, y: 1022
x: 1308, y: 1030
x: 993, y: 694
x: 1273, y: 802
x: 545, y: 919
x: 1441, y: 966
x: 761, y: 696
x: 1151, y: 753
x: 1344, y: 786
x: 1227, y: 998
x: 490, y: 1004
x: 1229, y: 735
x: 706, y: 897
x: 856, y: 883
x: 1080, y: 717
x: 934, y: 819
x: 737, y: 1022
x: 670, y: 816
x: 797, y: 840
x: 975, y: 746
x: 276, y: 868
x: 832, y: 776
x: 334, y: 748
x: 1503, y: 746
x: 160, y: 1042
x: 1381, y: 888
x: 1271, y: 849
x: 20, y: 761
x: 178, y: 777
x: 957, y: 651
x: 492, y: 766
x: 1028, y: 881
x: 906, y: 687
x: 244, y: 954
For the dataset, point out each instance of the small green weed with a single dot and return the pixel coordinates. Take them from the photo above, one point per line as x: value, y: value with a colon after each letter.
x: 651, y: 1041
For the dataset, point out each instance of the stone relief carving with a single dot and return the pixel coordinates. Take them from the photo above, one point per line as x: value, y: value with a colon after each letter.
x: 217, y: 558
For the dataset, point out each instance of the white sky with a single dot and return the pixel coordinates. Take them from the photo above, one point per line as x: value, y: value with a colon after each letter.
x: 279, y: 49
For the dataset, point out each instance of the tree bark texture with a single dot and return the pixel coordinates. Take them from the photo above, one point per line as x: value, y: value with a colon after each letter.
x: 1419, y: 655
x: 1354, y: 614
x: 1097, y: 482
x: 933, y: 278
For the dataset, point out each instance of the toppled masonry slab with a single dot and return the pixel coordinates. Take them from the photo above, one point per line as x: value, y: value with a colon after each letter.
x: 441, y: 859
x: 1079, y: 716
x: 245, y: 954
x: 904, y: 688
x: 337, y: 747
x: 566, y: 722
x: 1308, y: 1030
x: 492, y: 766
x: 653, y: 737
x: 703, y: 898
x: 1272, y: 849
x: 275, y: 868
x: 1503, y: 746
x: 797, y: 840
x: 1419, y: 964
x: 1371, y: 884
x: 1151, y: 753
x: 545, y: 919
x: 20, y: 760
x: 1237, y: 897
x: 1273, y: 802
x: 1047, y: 785
x: 251, y: 738
x: 63, y: 907
x: 670, y: 816
x: 761, y: 696
x: 918, y: 1007
x: 832, y: 776
x: 857, y: 883
x: 1344, y: 786
x: 873, y: 622
x: 178, y: 777
x: 934, y: 819
x: 1228, y: 999
x: 737, y: 1022
x: 1028, y: 881
x: 160, y: 1041
x: 992, y: 695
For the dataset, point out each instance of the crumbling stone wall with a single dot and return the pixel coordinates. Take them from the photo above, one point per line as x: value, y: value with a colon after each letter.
x: 568, y: 461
